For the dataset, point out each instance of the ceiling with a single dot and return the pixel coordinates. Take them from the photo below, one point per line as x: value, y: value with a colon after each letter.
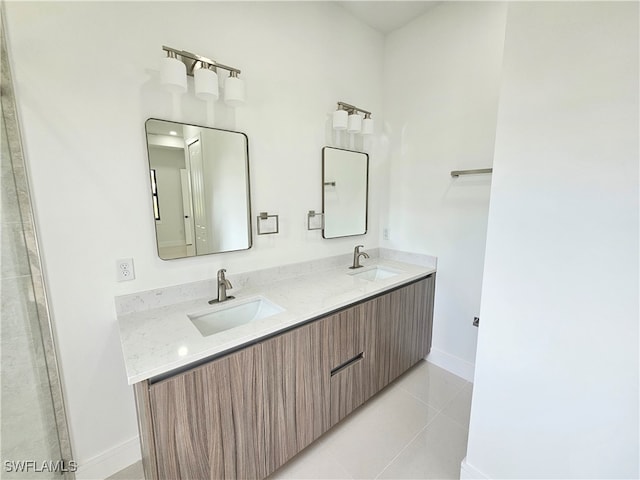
x: 386, y: 16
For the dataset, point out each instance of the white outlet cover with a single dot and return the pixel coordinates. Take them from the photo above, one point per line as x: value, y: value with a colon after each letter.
x: 124, y: 270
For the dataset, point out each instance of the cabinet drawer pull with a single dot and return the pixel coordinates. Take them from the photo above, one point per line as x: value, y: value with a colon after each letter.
x: 347, y: 364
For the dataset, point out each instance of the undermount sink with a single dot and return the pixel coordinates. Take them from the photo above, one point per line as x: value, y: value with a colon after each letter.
x: 375, y: 273
x: 233, y: 315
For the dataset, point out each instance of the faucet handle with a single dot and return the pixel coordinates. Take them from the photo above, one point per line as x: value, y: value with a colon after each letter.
x: 221, y: 278
x: 358, y: 247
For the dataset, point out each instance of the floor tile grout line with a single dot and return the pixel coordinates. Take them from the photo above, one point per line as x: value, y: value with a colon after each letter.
x: 462, y: 424
x: 466, y: 427
x: 435, y: 374
x: 403, y: 448
x: 407, y: 445
x: 438, y: 410
x: 430, y: 405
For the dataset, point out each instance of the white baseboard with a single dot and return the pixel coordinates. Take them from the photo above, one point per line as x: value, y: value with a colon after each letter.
x: 467, y: 472
x: 451, y: 363
x: 109, y: 462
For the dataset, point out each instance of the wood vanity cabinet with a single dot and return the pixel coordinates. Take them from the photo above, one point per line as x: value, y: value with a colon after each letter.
x: 209, y: 422
x: 399, y: 332
x: 296, y: 390
x: 349, y: 361
x: 246, y: 414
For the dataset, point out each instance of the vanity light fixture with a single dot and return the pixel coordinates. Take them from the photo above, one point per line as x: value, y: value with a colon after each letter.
x: 178, y: 64
x: 348, y: 117
x: 233, y: 90
x: 340, y: 118
x: 173, y: 73
x: 205, y: 80
x: 367, y: 124
x: 355, y: 122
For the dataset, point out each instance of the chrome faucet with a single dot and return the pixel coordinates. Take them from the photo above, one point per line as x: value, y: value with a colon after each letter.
x: 356, y: 256
x: 223, y: 284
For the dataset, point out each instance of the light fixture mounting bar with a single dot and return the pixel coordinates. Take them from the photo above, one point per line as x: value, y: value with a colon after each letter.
x: 353, y: 108
x: 191, y: 60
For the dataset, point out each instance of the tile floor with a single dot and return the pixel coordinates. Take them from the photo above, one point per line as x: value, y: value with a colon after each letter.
x: 415, y: 428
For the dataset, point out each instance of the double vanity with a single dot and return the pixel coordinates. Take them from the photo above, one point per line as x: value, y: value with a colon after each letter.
x: 236, y: 375
x: 234, y: 389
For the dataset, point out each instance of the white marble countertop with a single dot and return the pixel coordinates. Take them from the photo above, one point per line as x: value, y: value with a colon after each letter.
x: 162, y: 339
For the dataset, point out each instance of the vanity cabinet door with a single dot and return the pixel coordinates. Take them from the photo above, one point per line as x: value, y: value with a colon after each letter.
x: 384, y: 341
x: 209, y: 423
x: 348, y: 362
x: 419, y: 343
x: 296, y: 390
x: 400, y: 332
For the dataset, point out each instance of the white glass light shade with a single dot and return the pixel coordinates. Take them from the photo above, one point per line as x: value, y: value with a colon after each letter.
x: 206, y: 84
x: 340, y: 119
x: 173, y: 75
x: 233, y: 91
x: 355, y: 123
x: 367, y: 126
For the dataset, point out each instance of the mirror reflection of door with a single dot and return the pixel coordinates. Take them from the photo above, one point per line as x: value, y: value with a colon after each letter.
x: 187, y: 210
x: 200, y: 217
x: 169, y: 163
x: 201, y: 189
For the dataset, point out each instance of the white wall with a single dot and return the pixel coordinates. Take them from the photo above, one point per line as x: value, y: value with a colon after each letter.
x: 556, y: 385
x: 442, y: 76
x: 86, y: 80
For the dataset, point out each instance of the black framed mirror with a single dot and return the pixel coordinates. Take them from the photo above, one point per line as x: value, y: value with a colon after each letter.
x: 200, y: 189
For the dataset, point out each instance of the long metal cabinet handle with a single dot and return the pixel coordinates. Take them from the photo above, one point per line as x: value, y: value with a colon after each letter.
x: 347, y: 364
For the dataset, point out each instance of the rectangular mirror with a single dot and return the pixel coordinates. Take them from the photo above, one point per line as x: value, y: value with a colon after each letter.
x: 345, y: 184
x: 199, y: 189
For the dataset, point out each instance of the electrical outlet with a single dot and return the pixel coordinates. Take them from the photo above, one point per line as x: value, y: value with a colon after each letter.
x: 385, y: 233
x: 124, y: 270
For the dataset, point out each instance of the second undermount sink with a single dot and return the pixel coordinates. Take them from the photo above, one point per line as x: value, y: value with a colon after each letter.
x: 374, y: 273
x: 233, y: 314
